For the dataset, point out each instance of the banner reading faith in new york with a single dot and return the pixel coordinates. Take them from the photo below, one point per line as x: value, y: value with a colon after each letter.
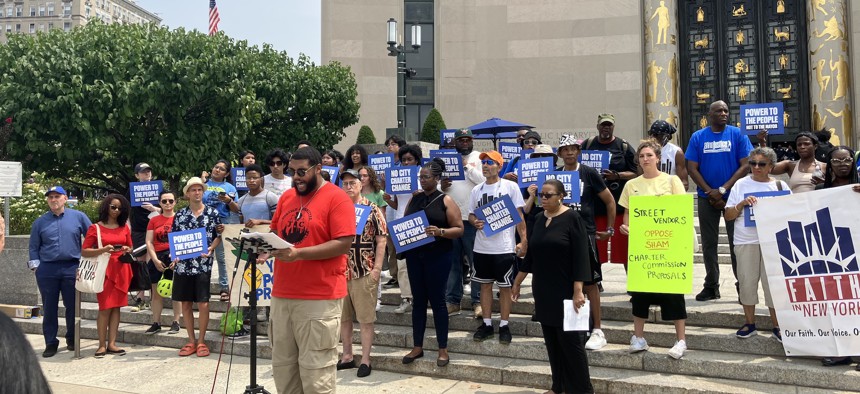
x: 240, y: 284
x: 809, y: 244
x: 530, y: 169
x: 188, y: 244
x: 498, y: 215
x: 381, y: 162
x: 409, y: 232
x: 570, y: 180
x: 763, y: 117
x: 660, y: 246
x: 238, y: 178
x: 401, y: 180
x: 141, y: 192
x: 509, y: 150
x: 596, y: 159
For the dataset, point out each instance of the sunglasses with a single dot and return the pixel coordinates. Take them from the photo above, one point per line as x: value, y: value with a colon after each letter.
x: 758, y: 164
x: 300, y: 172
x: 844, y: 160
x: 114, y: 208
x: 166, y: 201
x: 548, y: 195
x: 531, y: 142
x: 488, y: 162
x: 276, y: 164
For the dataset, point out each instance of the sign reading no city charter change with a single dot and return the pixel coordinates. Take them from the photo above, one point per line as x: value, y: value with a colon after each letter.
x: 409, y: 232
x: 141, y: 192
x: 238, y: 178
x: 762, y: 117
x: 570, y: 180
x: 188, y: 244
x: 401, y: 180
x: 498, y: 215
x: 596, y: 159
x: 660, y: 247
x: 362, y: 212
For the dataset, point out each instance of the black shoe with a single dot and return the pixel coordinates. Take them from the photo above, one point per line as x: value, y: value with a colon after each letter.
x: 50, y: 351
x: 505, y: 335
x: 154, y: 328
x: 441, y: 362
x: 834, y: 361
x: 408, y: 360
x: 484, y: 332
x: 239, y: 334
x: 534, y: 317
x: 345, y: 364
x: 708, y: 294
x: 364, y: 370
x: 600, y: 286
x: 70, y: 346
x: 391, y: 284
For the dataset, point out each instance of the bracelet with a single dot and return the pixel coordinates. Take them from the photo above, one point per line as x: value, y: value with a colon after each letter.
x: 611, y: 231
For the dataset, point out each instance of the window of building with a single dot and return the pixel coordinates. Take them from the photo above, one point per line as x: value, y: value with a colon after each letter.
x: 41, y: 10
x: 67, y: 9
x: 32, y: 10
x: 19, y: 10
x: 8, y: 28
x: 50, y: 9
x: 17, y: 27
x: 50, y: 25
x: 32, y: 28
x: 67, y: 26
x: 9, y: 11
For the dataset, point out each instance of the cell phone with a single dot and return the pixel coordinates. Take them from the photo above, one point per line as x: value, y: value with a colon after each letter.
x: 117, y: 247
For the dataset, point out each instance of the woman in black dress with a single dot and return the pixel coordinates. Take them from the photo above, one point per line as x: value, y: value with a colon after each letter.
x: 558, y: 258
x: 428, y: 266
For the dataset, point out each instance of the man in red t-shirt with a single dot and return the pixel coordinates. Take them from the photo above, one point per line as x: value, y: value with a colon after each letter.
x: 318, y: 218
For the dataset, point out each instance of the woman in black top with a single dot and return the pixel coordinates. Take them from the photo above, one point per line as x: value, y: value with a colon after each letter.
x: 428, y: 266
x: 558, y: 256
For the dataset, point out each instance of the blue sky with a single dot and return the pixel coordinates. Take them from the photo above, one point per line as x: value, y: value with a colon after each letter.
x: 288, y: 25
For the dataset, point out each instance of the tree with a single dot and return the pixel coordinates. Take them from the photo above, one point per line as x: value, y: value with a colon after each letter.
x: 90, y: 103
x: 432, y: 125
x: 365, y: 135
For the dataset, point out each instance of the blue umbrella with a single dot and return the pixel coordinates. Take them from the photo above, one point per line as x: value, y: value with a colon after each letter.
x: 496, y: 129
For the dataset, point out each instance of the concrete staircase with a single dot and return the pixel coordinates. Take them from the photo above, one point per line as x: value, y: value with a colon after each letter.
x: 716, y: 362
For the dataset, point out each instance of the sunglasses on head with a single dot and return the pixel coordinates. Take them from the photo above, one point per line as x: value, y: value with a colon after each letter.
x: 548, y: 195
x: 758, y: 163
x: 167, y: 201
x: 299, y: 172
x: 488, y: 162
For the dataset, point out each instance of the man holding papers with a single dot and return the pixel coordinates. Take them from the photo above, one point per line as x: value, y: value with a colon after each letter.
x: 494, y: 255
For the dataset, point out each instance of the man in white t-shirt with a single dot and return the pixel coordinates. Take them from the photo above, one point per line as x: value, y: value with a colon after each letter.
x: 460, y: 191
x: 276, y: 182
x: 495, y: 255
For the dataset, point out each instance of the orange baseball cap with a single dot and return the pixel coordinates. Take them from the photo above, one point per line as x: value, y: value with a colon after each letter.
x: 494, y: 156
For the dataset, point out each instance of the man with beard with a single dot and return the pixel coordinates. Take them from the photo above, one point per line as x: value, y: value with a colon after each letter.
x: 716, y: 159
x: 461, y: 191
x: 310, y: 282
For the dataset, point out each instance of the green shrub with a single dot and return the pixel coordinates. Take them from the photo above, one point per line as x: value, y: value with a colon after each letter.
x: 365, y: 136
x: 432, y: 125
x: 24, y: 210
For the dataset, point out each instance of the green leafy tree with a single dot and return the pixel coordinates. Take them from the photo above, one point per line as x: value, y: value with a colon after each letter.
x: 365, y: 135
x: 432, y: 125
x: 90, y: 103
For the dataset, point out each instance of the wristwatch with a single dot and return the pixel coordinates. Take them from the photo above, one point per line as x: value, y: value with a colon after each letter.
x: 441, y: 231
x: 611, y: 231
x: 722, y: 190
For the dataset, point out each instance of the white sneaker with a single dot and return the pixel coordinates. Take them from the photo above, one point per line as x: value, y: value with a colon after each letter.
x: 678, y: 350
x: 405, y: 306
x: 637, y: 344
x: 378, y: 305
x: 596, y: 341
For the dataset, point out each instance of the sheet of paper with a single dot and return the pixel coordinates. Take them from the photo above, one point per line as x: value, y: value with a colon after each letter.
x: 574, y: 321
x: 270, y: 238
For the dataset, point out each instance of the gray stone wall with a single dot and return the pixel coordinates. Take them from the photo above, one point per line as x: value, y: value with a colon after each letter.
x: 17, y: 282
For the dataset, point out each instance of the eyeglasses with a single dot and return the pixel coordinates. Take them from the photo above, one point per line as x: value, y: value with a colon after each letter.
x: 166, y: 201
x: 758, y: 163
x: 276, y: 164
x: 350, y: 183
x: 488, y: 162
x: 425, y: 177
x: 548, y: 195
x: 114, y: 207
x: 300, y: 172
x: 531, y: 142
x: 844, y: 160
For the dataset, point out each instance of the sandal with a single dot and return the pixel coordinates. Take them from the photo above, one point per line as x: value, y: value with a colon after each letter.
x: 188, y: 349
x: 225, y: 296
x: 118, y: 352
x: 202, y: 350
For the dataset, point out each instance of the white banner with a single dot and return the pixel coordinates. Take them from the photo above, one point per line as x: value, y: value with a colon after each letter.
x: 809, y: 243
x: 240, y: 285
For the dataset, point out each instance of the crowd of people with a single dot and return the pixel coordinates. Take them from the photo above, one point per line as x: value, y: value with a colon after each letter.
x: 331, y: 276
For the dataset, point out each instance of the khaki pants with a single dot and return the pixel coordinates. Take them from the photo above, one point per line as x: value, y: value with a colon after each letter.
x: 304, y: 336
x: 750, y: 273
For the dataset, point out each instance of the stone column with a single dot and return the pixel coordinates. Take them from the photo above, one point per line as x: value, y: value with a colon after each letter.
x: 830, y: 76
x: 662, y: 77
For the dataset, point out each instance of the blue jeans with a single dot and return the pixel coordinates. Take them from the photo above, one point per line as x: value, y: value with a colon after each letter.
x: 55, y: 278
x: 462, y: 246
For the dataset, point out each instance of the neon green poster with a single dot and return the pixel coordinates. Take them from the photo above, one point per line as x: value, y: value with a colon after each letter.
x: 660, y: 249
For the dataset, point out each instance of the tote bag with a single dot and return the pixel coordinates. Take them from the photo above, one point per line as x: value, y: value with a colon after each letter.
x: 90, y: 277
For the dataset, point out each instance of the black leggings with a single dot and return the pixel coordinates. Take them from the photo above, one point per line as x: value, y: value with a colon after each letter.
x: 428, y: 276
x: 567, y: 360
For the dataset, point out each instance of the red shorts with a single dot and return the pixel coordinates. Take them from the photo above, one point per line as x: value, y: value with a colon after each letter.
x: 618, y: 253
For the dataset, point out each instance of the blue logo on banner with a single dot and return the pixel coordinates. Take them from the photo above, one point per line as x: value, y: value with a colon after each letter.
x: 597, y: 159
x: 749, y: 212
x: 141, y: 192
x: 758, y: 117
x: 362, y: 212
x: 816, y: 248
x: 402, y: 180
x: 409, y: 232
x: 528, y: 170
x: 381, y: 162
x: 237, y: 174
x: 498, y: 215
x: 570, y: 180
x: 188, y: 244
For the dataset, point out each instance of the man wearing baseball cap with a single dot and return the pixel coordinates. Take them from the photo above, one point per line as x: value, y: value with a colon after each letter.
x: 139, y: 220
x: 495, y: 255
x: 55, y: 249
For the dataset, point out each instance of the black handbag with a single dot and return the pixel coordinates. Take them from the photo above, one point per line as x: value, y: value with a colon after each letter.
x: 140, y: 276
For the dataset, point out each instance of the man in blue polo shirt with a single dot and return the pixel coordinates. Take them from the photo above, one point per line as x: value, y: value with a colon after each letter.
x: 716, y: 159
x: 55, y: 249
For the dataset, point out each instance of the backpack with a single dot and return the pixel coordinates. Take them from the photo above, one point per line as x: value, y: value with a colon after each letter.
x: 231, y: 322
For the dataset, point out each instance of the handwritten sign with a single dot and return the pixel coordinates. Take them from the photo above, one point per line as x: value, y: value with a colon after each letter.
x: 446, y: 137
x: 509, y: 150
x: 749, y: 212
x: 660, y: 246
x: 597, y: 159
x: 453, y: 165
x: 381, y: 162
x: 570, y: 180
x: 188, y: 244
x: 238, y: 177
x: 498, y: 215
x: 141, y: 192
x: 529, y: 170
x: 409, y: 232
x: 362, y: 212
x: 758, y: 117
x: 402, y: 180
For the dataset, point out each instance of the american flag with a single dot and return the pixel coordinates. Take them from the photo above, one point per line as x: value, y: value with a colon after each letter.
x: 214, y: 18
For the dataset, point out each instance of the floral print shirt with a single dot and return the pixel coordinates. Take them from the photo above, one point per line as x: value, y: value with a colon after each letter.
x: 185, y: 220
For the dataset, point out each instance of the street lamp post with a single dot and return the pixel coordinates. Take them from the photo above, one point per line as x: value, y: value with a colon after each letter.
x: 397, y: 49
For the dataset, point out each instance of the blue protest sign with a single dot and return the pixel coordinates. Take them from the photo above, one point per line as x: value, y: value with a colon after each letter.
x: 188, y: 244
x: 758, y: 117
x: 332, y: 172
x: 381, y: 162
x: 749, y: 212
x: 597, y: 159
x: 436, y: 152
x: 409, y: 232
x: 141, y: 192
x: 362, y: 212
x: 453, y: 165
x: 509, y: 150
x: 446, y: 137
x: 424, y: 160
x: 401, y: 180
x: 570, y: 180
x: 526, y: 153
x: 528, y: 170
x: 498, y: 215
x: 237, y: 174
